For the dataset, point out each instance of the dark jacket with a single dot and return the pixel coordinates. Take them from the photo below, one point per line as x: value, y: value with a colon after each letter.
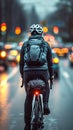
x: 47, y: 66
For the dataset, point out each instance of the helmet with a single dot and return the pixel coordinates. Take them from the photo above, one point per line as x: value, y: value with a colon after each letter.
x: 36, y: 28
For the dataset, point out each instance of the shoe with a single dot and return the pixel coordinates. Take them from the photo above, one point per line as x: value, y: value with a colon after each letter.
x: 46, y: 109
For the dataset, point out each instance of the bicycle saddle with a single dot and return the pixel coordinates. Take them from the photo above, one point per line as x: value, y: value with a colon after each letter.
x: 36, y: 83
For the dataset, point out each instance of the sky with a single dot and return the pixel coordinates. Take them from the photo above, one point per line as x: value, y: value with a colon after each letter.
x: 42, y: 6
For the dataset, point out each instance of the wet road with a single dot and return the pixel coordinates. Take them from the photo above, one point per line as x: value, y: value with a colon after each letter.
x: 12, y: 99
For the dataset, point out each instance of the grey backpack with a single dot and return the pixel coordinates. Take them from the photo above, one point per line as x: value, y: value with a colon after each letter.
x: 35, y: 54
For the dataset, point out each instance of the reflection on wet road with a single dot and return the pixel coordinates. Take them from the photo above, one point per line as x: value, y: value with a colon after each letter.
x: 9, y: 90
x: 4, y: 107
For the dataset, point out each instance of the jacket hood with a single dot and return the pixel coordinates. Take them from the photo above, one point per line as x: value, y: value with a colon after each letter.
x: 36, y: 37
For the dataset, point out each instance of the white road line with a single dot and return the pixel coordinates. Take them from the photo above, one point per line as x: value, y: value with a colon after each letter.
x: 70, y: 85
x: 14, y: 71
x: 65, y: 74
x: 13, y: 124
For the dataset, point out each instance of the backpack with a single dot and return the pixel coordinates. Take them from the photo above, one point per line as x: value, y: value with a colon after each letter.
x: 35, y: 54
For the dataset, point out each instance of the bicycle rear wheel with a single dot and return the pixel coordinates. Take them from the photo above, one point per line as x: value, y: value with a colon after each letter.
x: 37, y: 113
x: 40, y: 108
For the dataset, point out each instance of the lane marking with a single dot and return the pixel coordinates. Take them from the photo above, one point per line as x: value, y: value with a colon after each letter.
x: 65, y: 74
x: 14, y: 71
x: 67, y: 78
x: 13, y: 124
x: 70, y: 85
x: 53, y: 123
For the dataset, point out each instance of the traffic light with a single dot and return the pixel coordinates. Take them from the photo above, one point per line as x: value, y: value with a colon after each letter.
x: 56, y: 29
x: 45, y: 29
x: 3, y: 27
x: 17, y: 30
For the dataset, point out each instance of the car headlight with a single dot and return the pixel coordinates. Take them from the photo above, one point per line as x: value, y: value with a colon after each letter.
x: 3, y: 54
x: 18, y: 58
x: 55, y: 60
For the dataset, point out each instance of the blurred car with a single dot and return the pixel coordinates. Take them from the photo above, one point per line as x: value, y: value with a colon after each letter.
x: 69, y: 46
x: 55, y: 61
x: 3, y: 58
x: 13, y: 56
x: 61, y: 51
x: 71, y: 49
x: 71, y: 58
x: 7, y: 47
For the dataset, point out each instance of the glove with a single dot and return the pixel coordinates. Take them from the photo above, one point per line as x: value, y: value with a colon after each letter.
x: 51, y: 81
x: 52, y: 78
x: 22, y: 83
x: 22, y: 80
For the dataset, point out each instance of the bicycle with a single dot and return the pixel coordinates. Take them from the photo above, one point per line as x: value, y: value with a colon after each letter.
x: 37, y: 88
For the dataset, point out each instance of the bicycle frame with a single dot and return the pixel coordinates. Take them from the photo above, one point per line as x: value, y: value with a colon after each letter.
x: 36, y: 88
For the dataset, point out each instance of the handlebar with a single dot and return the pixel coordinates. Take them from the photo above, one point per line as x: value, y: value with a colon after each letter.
x: 51, y: 83
x: 21, y: 84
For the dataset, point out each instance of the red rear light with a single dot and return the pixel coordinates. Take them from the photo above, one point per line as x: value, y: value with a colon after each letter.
x: 36, y: 92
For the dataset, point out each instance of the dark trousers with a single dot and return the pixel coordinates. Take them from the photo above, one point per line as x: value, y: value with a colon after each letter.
x: 28, y: 75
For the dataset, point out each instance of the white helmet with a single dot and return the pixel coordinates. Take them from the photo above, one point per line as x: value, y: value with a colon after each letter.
x: 36, y: 28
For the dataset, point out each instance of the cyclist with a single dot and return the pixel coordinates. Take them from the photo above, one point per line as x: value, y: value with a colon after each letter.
x: 44, y: 72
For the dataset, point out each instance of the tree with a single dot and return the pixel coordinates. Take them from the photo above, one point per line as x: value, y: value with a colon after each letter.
x: 12, y: 13
x: 64, y: 16
x: 65, y: 8
x: 33, y: 17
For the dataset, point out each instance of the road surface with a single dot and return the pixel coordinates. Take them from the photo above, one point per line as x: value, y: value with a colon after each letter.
x: 12, y: 99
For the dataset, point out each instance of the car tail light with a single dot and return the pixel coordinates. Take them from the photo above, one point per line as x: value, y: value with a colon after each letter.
x: 72, y: 48
x: 56, y: 50
x: 71, y: 56
x: 55, y: 60
x: 13, y: 52
x: 7, y: 46
x: 3, y: 54
x: 65, y: 50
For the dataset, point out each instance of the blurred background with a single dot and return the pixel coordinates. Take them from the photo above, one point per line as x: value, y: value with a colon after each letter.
x: 56, y: 18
